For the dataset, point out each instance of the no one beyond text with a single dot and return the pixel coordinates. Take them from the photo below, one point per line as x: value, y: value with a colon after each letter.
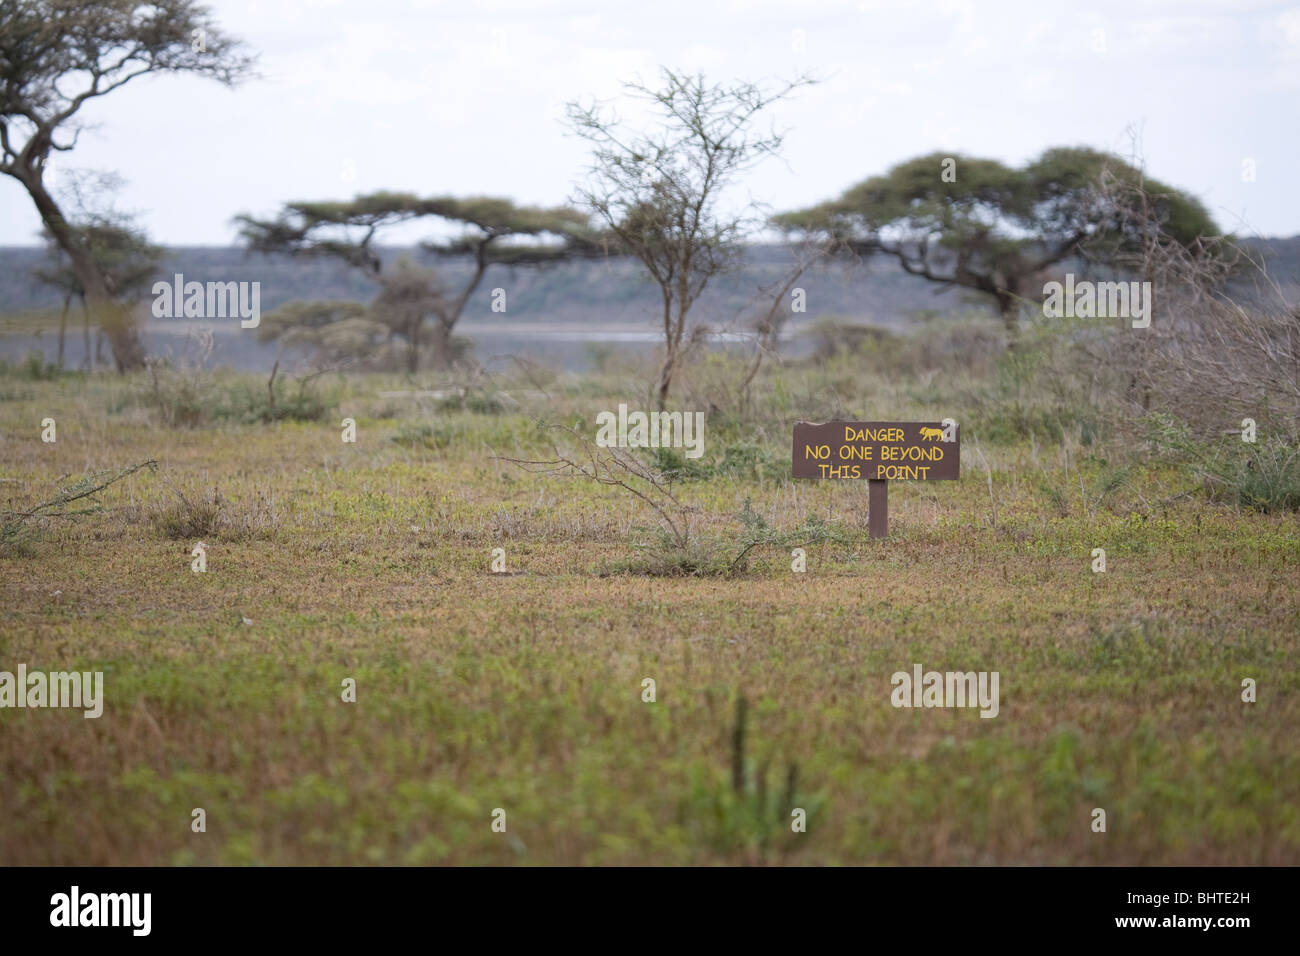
x: 890, y: 460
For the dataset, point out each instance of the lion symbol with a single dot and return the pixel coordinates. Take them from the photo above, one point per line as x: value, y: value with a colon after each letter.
x: 931, y: 434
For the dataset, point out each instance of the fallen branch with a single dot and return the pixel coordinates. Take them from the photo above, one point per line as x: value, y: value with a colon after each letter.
x: 14, y: 521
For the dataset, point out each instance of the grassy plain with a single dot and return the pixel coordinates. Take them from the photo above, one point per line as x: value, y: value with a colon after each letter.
x: 523, y: 691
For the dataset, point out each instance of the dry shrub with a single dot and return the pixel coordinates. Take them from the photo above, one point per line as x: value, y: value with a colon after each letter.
x: 209, y: 514
x: 1216, y: 363
x: 1214, y: 353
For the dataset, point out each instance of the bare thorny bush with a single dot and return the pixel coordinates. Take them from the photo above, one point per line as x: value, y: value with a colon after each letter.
x: 677, y: 548
x: 617, y: 468
x: 178, y: 387
x: 1216, y: 353
x: 1206, y: 358
x: 185, y: 392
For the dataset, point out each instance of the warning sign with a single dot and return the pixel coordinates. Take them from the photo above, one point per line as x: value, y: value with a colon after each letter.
x: 878, y: 451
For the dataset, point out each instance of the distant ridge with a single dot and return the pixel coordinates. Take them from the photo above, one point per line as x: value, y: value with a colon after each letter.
x: 606, y: 291
x: 613, y: 290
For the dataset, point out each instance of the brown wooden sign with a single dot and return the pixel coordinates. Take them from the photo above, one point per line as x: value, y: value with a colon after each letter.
x: 880, y: 452
x: 892, y: 451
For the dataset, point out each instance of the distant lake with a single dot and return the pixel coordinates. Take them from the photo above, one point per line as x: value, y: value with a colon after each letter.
x: 569, y: 346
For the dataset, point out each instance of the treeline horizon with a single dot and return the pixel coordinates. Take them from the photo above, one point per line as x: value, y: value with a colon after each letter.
x: 575, y: 289
x: 652, y: 192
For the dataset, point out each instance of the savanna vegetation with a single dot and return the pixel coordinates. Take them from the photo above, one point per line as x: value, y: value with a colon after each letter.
x: 355, y: 609
x: 523, y: 690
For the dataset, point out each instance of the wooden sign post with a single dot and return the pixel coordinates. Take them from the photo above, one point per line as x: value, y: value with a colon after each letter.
x: 879, y: 452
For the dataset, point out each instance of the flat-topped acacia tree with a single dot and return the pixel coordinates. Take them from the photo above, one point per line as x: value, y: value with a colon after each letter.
x: 981, y: 225
x: 58, y: 55
x: 492, y: 226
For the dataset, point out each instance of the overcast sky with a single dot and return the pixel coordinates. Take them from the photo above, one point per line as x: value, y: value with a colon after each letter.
x: 466, y: 98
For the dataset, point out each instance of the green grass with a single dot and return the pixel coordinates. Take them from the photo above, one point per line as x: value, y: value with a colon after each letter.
x: 522, y: 691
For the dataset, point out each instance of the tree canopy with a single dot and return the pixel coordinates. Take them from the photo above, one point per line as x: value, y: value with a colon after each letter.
x: 493, y: 231
x: 58, y: 55
x: 122, y: 252
x: 982, y: 225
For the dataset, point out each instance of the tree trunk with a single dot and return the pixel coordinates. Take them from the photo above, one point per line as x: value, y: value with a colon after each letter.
x: 442, y: 355
x: 750, y: 376
x: 86, y: 353
x: 666, y: 377
x: 447, y: 318
x: 413, y: 346
x: 63, y: 325
x: 115, y: 320
x: 672, y: 346
x: 1009, y: 309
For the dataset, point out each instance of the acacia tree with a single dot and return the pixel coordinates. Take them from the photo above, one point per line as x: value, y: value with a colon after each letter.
x: 332, y: 333
x: 58, y: 55
x: 121, y: 249
x: 123, y: 256
x: 981, y: 225
x: 491, y: 229
x: 659, y: 193
x: 408, y: 293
